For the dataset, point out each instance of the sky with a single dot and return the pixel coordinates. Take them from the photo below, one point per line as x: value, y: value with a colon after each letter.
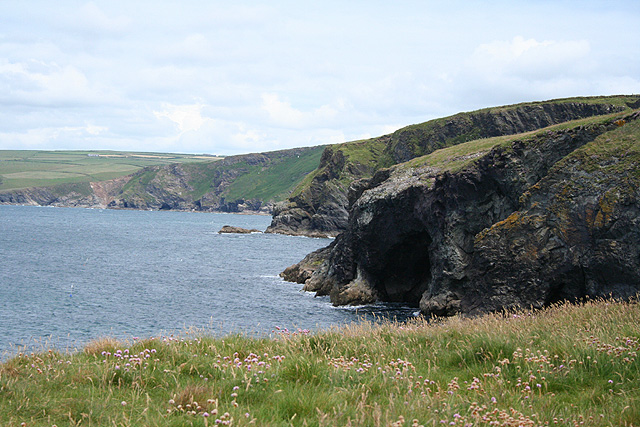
x: 223, y: 77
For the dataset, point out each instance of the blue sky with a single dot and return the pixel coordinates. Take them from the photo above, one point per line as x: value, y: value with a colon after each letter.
x: 225, y: 77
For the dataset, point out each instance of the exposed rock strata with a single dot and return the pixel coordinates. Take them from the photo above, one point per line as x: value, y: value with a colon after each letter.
x: 545, y: 217
x: 321, y: 209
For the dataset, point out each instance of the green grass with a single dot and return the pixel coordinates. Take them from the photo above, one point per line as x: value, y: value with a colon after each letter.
x: 417, y: 133
x: 458, y: 156
x: 276, y: 181
x: 568, y: 364
x: 615, y: 100
x: 268, y: 176
x: 364, y: 157
x: 24, y: 168
x: 366, y: 152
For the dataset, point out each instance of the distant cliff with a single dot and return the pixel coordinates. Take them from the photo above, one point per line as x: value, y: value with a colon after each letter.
x: 243, y: 183
x: 511, y: 221
x: 319, y: 206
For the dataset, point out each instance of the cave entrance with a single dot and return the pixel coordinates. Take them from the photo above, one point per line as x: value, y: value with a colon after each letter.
x: 406, y: 273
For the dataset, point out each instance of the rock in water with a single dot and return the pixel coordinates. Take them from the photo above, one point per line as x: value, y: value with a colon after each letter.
x: 238, y: 230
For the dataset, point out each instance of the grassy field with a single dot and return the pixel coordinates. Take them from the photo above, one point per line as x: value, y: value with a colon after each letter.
x: 24, y: 168
x: 567, y: 365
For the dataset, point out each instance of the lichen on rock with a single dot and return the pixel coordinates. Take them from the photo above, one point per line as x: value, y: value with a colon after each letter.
x: 534, y: 219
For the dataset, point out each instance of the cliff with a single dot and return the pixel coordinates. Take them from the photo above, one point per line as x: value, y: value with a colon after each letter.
x: 250, y: 182
x: 511, y: 221
x: 319, y: 206
x: 82, y: 194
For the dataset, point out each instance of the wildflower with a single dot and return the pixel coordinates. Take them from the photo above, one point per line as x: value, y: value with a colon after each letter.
x: 123, y: 403
x: 206, y: 415
x: 494, y: 400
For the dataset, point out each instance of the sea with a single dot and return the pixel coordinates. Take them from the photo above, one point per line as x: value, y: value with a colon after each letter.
x: 70, y: 275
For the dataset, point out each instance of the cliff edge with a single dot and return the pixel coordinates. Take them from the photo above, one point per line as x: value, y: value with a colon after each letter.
x: 494, y: 223
x: 319, y: 206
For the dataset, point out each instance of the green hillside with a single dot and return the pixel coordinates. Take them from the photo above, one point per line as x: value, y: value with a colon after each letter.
x: 277, y: 181
x: 260, y: 177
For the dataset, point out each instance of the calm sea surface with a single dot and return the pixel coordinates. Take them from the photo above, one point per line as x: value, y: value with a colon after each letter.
x: 68, y: 276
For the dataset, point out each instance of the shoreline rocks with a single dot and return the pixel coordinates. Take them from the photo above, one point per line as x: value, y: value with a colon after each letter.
x: 230, y: 229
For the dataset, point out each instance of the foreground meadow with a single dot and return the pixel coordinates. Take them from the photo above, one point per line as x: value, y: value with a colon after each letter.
x: 566, y: 365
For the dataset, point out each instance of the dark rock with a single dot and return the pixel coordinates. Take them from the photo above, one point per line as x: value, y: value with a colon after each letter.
x: 237, y: 230
x: 302, y: 271
x: 525, y: 224
x: 321, y: 209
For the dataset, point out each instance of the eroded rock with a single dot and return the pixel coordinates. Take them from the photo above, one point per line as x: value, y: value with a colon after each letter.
x: 544, y: 217
x: 237, y: 230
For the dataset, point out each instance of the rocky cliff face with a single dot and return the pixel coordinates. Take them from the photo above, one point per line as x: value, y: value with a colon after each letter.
x: 85, y: 194
x: 511, y: 222
x: 321, y: 208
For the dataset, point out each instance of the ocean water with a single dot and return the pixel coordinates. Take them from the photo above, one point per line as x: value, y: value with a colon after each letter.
x: 68, y: 276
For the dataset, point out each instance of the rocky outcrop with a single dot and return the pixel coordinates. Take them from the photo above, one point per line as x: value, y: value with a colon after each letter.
x: 518, y: 223
x: 230, y: 229
x: 302, y: 271
x: 320, y: 206
x: 321, y: 209
x: 84, y: 194
x: 576, y: 234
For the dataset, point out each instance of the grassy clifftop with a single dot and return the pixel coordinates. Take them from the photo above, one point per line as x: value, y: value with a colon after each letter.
x: 29, y: 168
x: 319, y: 205
x: 455, y: 157
x: 566, y: 365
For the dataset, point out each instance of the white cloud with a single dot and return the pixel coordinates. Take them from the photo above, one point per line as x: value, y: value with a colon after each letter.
x: 47, y: 84
x: 186, y: 117
x: 211, y: 76
x: 282, y: 113
x: 530, y: 58
x: 90, y: 17
x: 42, y: 137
